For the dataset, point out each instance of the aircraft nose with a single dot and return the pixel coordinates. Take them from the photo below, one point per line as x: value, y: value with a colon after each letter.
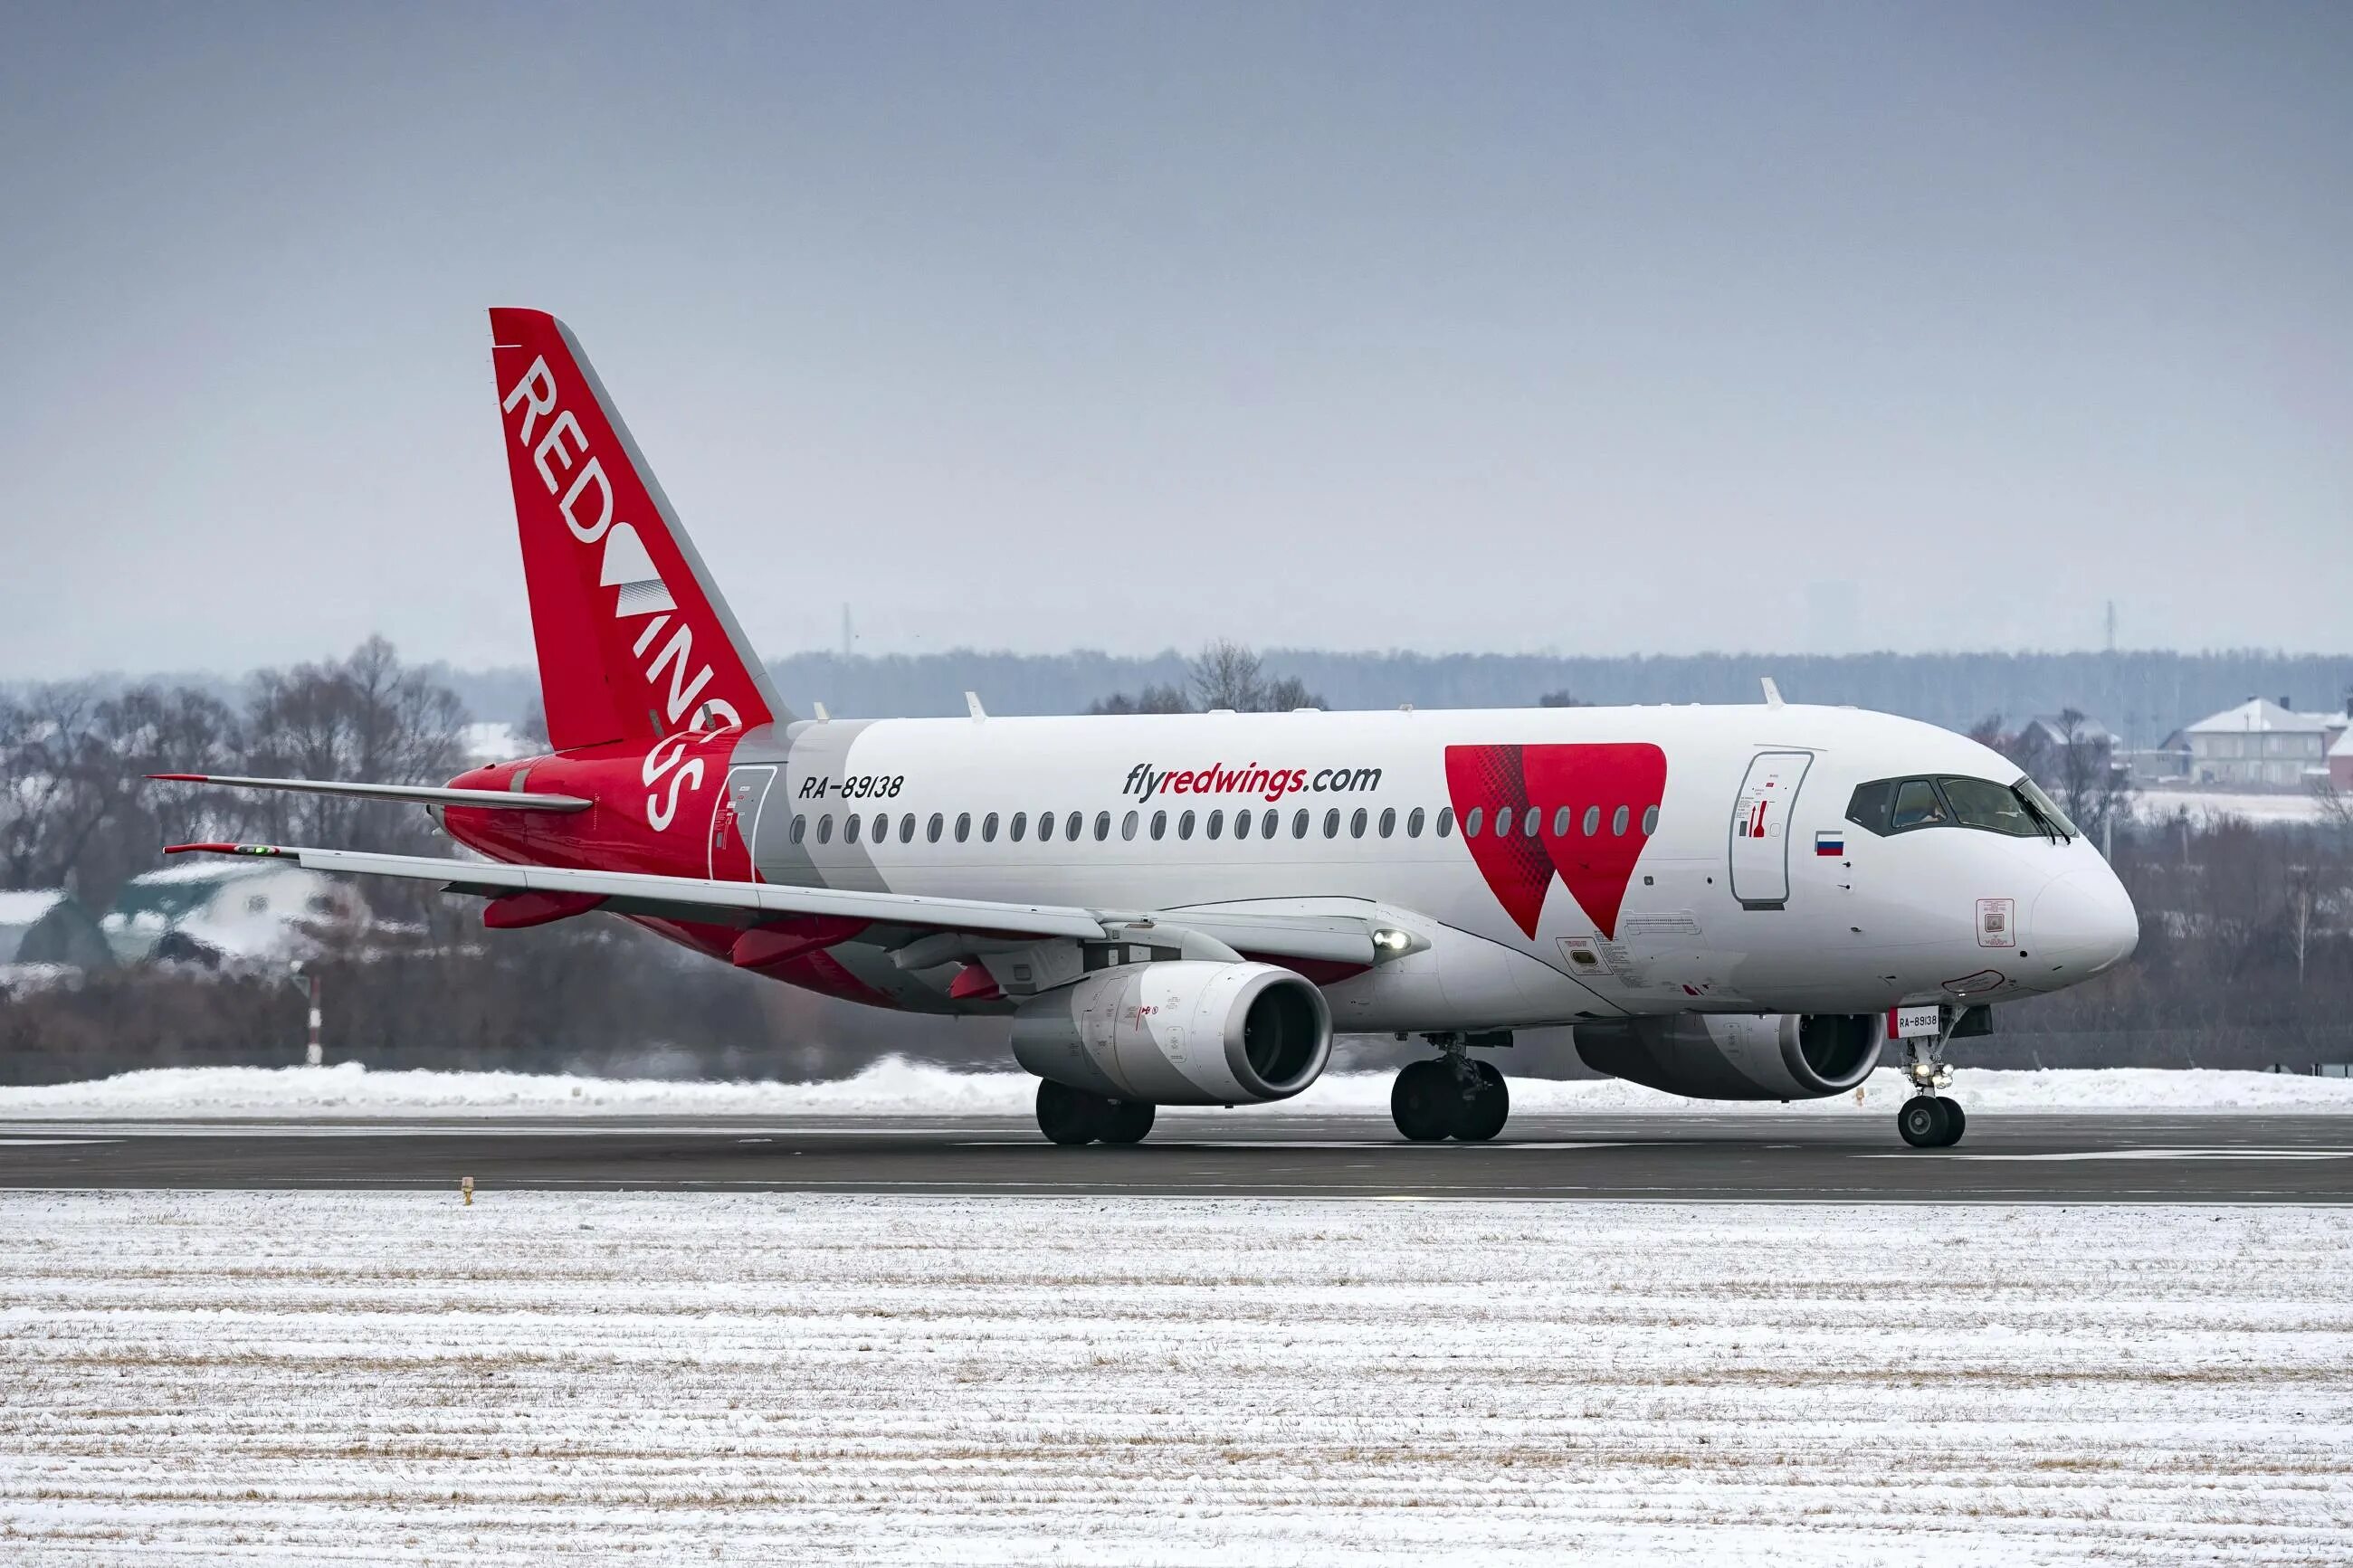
x: 2085, y: 921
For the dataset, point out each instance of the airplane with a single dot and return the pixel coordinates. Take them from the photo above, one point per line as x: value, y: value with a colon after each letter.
x: 1735, y: 902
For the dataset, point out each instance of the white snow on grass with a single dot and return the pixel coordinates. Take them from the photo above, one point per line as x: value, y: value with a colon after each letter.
x: 895, y: 1086
x: 558, y: 1378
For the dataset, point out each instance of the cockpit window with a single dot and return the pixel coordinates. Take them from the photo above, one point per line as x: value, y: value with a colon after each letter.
x: 1981, y: 803
x: 1916, y: 806
x: 2020, y: 810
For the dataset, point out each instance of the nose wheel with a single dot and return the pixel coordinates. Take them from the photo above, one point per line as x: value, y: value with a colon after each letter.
x: 1931, y: 1121
x: 1450, y: 1096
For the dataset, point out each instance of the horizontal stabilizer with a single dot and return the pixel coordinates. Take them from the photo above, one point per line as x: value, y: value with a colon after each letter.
x: 415, y: 795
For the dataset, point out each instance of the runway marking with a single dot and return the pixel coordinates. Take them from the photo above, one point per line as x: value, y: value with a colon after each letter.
x: 2143, y: 1154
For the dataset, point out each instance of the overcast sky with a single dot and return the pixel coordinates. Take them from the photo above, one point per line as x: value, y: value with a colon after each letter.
x: 1647, y: 329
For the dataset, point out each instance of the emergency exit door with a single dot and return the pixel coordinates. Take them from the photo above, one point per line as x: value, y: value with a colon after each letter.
x: 1760, y: 828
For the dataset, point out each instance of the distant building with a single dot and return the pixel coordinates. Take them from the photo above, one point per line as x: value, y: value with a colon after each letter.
x: 212, y: 910
x: 44, y: 934
x: 2261, y: 744
x: 2340, y: 762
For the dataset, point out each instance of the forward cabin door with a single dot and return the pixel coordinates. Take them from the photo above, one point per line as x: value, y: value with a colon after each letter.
x: 736, y: 822
x: 1760, y: 828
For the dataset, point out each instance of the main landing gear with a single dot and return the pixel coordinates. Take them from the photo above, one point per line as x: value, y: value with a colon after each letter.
x: 1068, y: 1115
x: 1450, y: 1096
x: 1928, y: 1119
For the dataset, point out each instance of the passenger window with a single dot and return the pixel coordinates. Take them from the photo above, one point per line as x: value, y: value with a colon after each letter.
x: 1560, y: 822
x: 1592, y: 823
x: 1332, y: 823
x: 1650, y: 820
x: 1159, y: 822
x: 1018, y: 826
x: 1267, y: 822
x: 1413, y: 823
x: 1389, y: 820
x: 1357, y: 823
x: 1045, y: 826
x: 800, y: 828
x: 1070, y: 826
x: 850, y: 829
x: 1917, y: 805
x: 907, y: 828
x: 1445, y: 821
x: 1532, y: 822
x: 1503, y: 822
x: 1103, y: 826
x: 932, y: 829
x: 1127, y: 825
x: 1184, y: 825
x: 1299, y: 824
x: 824, y: 828
x: 988, y: 828
x: 1242, y: 824
x: 1216, y: 826
x: 1618, y: 823
x: 963, y: 825
x: 1471, y: 823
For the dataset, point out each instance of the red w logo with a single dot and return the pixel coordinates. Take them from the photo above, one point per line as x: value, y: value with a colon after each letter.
x: 1581, y: 810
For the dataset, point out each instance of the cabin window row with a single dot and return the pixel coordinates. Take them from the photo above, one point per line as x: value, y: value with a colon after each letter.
x: 882, y: 827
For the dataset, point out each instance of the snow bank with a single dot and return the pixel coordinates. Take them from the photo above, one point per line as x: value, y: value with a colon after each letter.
x: 895, y: 1087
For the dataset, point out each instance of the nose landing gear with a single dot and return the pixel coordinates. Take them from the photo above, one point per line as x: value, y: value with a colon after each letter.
x: 1450, y: 1096
x: 1928, y: 1119
x: 1931, y: 1121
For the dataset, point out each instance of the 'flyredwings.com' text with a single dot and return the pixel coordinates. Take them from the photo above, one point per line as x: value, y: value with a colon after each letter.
x: 1144, y: 781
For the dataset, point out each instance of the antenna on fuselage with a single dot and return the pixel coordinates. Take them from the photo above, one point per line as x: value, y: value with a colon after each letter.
x: 1772, y: 692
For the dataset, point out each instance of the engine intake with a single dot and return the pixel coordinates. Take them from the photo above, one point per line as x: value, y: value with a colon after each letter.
x: 1739, y: 1055
x: 1179, y: 1034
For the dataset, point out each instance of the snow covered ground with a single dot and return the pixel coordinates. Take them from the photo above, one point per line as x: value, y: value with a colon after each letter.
x: 893, y: 1087
x: 552, y: 1378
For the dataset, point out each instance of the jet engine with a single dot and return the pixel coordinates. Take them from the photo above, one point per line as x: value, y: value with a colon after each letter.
x: 1739, y: 1055
x: 1184, y: 1033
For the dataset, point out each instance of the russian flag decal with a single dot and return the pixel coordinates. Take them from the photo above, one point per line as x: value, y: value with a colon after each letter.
x: 1829, y: 843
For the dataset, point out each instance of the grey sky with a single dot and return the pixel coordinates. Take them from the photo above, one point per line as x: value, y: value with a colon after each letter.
x: 1642, y: 329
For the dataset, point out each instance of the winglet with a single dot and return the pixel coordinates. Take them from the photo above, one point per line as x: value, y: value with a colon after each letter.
x: 972, y: 704
x: 1772, y: 693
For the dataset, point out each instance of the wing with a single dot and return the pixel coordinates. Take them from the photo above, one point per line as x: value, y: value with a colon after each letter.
x: 1332, y: 938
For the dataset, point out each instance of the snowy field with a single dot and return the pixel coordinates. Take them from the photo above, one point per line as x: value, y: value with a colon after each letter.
x: 554, y: 1378
x: 893, y: 1087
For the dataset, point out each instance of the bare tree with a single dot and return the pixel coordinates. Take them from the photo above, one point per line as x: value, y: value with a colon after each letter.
x: 364, y: 718
x: 1226, y: 675
x: 1152, y: 699
x: 1562, y: 699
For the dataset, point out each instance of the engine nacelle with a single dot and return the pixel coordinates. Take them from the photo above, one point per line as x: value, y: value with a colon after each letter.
x: 1179, y: 1034
x: 1739, y: 1055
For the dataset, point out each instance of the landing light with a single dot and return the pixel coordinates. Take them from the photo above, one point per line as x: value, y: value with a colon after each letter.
x: 1388, y: 939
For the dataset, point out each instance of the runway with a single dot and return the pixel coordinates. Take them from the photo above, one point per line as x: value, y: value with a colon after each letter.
x: 2056, y: 1159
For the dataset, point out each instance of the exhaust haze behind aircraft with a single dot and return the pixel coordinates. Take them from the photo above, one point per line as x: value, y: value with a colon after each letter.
x: 1741, y: 903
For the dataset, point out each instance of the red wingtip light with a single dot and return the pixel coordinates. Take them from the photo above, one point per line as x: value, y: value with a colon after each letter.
x: 182, y: 778
x: 264, y: 849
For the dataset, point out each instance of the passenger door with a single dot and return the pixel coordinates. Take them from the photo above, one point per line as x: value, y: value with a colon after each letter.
x: 1760, y: 828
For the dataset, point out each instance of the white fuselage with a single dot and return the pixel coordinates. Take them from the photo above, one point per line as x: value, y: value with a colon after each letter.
x: 1752, y: 890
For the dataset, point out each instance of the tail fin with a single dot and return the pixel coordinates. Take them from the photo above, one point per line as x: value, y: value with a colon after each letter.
x: 634, y: 641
